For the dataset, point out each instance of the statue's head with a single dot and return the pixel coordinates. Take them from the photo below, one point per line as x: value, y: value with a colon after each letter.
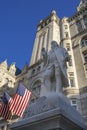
x: 54, y: 44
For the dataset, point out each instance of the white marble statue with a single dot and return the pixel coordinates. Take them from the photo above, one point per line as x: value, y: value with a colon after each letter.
x: 55, y: 75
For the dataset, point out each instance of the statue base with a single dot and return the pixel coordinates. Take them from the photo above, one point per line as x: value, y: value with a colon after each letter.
x: 52, y: 112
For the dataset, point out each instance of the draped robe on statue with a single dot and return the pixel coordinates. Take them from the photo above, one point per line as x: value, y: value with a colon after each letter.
x: 55, y: 66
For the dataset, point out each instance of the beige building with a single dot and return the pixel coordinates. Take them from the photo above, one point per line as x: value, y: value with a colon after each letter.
x: 8, y: 76
x: 70, y: 33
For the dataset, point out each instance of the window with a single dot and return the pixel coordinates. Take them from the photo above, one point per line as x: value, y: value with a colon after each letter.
x: 38, y: 69
x: 85, y: 57
x: 71, y: 79
x: 66, y: 35
x: 43, y: 38
x: 72, y: 83
x: 65, y: 26
x: 33, y: 71
x: 84, y: 48
x: 84, y: 42
x: 79, y: 26
x: 71, y: 74
x: 34, y: 89
x: 74, y: 103
x: 70, y: 61
x: 85, y: 20
x: 38, y: 89
x: 68, y: 46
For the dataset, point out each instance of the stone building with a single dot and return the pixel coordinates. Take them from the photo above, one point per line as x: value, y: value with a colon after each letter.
x: 8, y: 76
x: 70, y: 33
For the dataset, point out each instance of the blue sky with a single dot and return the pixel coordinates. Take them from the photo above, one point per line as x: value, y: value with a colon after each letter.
x: 18, y: 21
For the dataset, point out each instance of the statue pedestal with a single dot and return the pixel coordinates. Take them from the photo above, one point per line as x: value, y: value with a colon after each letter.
x: 50, y: 113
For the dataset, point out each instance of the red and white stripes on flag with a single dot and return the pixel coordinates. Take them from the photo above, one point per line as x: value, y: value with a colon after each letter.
x: 4, y: 111
x: 4, y: 106
x: 20, y: 101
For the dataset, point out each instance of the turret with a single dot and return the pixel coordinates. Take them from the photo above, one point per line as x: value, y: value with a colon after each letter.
x: 12, y: 68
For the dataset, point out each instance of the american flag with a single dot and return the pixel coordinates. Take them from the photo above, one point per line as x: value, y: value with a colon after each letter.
x: 20, y: 101
x: 4, y: 107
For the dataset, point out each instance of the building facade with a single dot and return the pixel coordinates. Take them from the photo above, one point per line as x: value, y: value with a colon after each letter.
x: 71, y: 33
x: 8, y: 76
